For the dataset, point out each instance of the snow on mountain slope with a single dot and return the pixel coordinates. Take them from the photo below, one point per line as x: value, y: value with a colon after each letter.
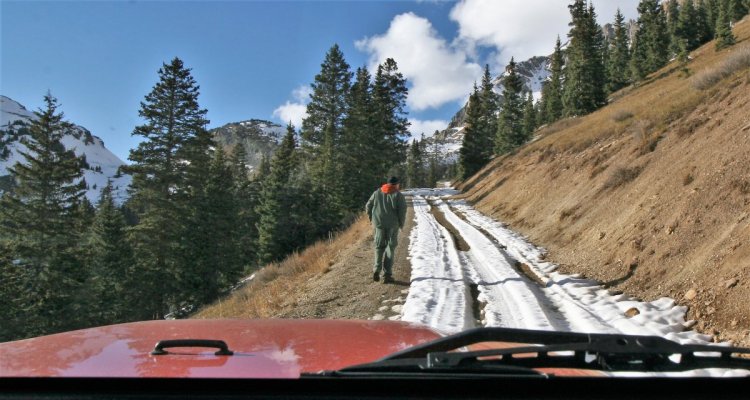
x: 534, y: 72
x: 103, y: 165
x: 259, y: 137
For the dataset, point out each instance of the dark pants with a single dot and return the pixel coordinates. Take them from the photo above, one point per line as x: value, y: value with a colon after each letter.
x: 385, y: 244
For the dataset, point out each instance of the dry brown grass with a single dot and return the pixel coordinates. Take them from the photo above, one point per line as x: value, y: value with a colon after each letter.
x: 264, y: 296
x: 621, y: 115
x: 739, y: 60
x: 665, y: 97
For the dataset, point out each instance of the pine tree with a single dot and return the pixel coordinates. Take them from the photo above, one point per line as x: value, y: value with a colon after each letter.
x: 211, y: 254
x: 489, y: 102
x: 414, y: 166
x: 263, y: 170
x: 510, y: 132
x: 712, y: 12
x: 553, y: 88
x: 585, y: 77
x: 322, y: 130
x: 41, y: 230
x: 274, y: 237
x: 649, y: 50
x: 703, y: 26
x: 673, y: 12
x: 724, y: 35
x: 619, y: 58
x: 360, y: 145
x: 473, y: 156
x: 389, y: 102
x: 247, y: 196
x: 738, y: 9
x: 174, y: 138
x: 529, y: 116
x: 111, y: 285
x: 687, y: 28
x: 433, y: 173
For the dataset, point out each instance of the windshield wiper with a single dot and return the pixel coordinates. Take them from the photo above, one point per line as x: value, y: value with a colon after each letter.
x: 545, y: 349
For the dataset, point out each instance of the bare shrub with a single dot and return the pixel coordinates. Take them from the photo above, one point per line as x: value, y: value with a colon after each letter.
x: 621, y: 176
x: 569, y: 213
x: 598, y: 170
x: 687, y: 179
x: 738, y: 60
x: 621, y: 115
x: 743, y: 185
x: 687, y: 128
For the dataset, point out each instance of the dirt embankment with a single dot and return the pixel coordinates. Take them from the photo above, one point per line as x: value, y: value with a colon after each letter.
x: 650, y: 195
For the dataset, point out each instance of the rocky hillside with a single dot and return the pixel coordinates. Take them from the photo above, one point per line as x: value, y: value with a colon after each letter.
x: 651, y: 194
x: 102, y: 164
x: 259, y: 138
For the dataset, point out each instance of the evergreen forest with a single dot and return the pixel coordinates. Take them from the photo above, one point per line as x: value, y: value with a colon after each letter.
x: 591, y: 67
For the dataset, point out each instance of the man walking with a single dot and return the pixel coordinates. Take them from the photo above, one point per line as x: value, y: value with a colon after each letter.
x: 387, y: 212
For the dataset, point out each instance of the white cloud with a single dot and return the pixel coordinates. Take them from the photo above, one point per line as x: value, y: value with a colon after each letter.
x: 428, y: 127
x: 302, y: 94
x: 523, y: 28
x: 437, y: 72
x: 295, y: 111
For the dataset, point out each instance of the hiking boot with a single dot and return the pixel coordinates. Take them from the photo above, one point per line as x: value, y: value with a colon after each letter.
x: 387, y: 279
x: 375, y: 277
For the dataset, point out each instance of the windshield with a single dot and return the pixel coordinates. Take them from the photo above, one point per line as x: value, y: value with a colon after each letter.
x: 423, y: 168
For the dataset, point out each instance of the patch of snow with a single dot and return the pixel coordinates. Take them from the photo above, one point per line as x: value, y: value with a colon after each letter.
x: 439, y: 295
x: 103, y: 164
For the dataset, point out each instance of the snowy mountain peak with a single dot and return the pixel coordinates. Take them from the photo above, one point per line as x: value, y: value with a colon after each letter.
x: 102, y: 164
x: 11, y: 111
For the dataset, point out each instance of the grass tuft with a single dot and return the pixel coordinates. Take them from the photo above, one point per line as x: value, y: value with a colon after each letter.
x: 739, y: 60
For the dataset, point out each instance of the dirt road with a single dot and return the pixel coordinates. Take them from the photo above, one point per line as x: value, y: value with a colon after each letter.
x: 347, y: 291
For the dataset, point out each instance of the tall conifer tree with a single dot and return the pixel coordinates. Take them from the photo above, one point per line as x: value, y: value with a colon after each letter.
x: 585, y: 77
x: 40, y: 228
x: 649, y: 50
x: 510, y: 132
x: 489, y: 101
x: 173, y: 134
x: 274, y: 238
x: 529, y: 116
x: 619, y: 57
x: 724, y: 35
x: 360, y: 145
x: 553, y: 88
x: 322, y: 130
x: 389, y: 101
x: 472, y: 155
x: 109, y: 259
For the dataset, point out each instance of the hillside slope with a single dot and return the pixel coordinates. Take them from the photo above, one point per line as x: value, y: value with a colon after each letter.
x: 649, y: 195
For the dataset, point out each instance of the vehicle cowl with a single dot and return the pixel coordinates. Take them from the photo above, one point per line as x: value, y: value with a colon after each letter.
x: 261, y: 348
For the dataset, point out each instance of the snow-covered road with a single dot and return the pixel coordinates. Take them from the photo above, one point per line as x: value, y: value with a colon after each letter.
x: 441, y: 293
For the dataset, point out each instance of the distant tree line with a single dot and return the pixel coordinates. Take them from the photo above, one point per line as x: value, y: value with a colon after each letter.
x: 591, y: 67
x: 196, y: 219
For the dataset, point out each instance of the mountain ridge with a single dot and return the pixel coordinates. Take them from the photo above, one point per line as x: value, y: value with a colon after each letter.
x: 103, y: 165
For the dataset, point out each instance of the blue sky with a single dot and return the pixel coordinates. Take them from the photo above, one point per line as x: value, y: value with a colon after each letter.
x: 254, y: 59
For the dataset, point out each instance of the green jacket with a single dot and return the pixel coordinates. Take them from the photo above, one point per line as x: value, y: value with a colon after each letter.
x: 387, y: 208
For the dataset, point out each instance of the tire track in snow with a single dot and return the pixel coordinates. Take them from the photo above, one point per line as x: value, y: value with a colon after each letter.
x: 439, y: 294
x: 585, y: 304
x: 512, y: 300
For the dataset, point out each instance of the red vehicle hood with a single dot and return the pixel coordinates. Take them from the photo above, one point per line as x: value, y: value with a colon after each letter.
x: 262, y: 348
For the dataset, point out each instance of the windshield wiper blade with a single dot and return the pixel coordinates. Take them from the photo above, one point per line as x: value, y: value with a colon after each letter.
x: 546, y: 349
